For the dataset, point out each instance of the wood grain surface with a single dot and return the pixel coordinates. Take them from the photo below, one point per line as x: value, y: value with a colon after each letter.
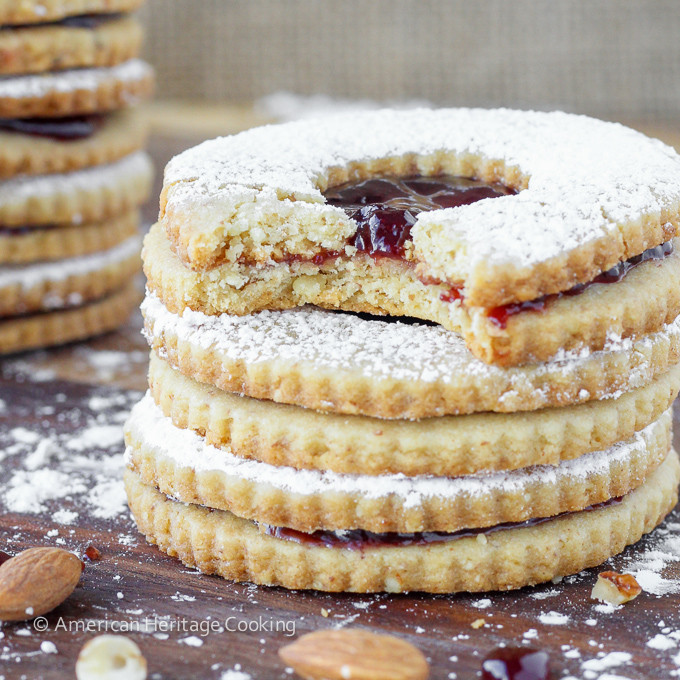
x: 73, y: 400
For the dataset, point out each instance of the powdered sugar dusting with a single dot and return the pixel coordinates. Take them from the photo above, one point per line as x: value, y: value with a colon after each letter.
x: 322, y: 340
x: 585, y: 176
x: 39, y: 85
x: 12, y: 191
x: 31, y: 275
x: 189, y: 450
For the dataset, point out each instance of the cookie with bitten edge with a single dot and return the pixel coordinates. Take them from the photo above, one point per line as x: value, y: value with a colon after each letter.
x: 588, y: 195
x: 48, y: 329
x: 76, y: 91
x: 285, y: 435
x: 102, y: 40
x: 342, y: 363
x: 26, y: 289
x: 572, y: 322
x: 104, y: 139
x: 64, y: 242
x: 218, y: 542
x: 42, y: 11
x: 87, y: 195
x: 182, y: 465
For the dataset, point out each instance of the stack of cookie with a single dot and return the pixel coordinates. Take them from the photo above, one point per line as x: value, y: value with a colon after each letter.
x: 424, y: 350
x: 72, y: 173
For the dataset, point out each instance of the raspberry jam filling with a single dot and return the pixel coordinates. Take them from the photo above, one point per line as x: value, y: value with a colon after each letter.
x: 68, y: 129
x: 500, y: 315
x: 385, y: 208
x: 358, y: 539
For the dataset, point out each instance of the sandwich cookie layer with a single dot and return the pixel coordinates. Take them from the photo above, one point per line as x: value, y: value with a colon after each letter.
x: 45, y: 146
x: 284, y: 435
x: 218, y: 542
x: 342, y: 363
x: 182, y: 465
x: 68, y: 325
x: 88, y: 195
x: 77, y: 91
x: 25, y: 289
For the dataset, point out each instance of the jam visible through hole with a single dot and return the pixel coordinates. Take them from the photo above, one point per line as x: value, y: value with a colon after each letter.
x: 516, y: 663
x: 4, y: 557
x: 385, y: 208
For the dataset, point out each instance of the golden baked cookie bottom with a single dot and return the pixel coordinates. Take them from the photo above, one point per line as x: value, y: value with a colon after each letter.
x: 68, y: 325
x: 341, y: 363
x: 26, y: 289
x: 122, y: 133
x: 87, y: 195
x: 218, y: 542
x: 284, y: 435
x: 64, y: 241
x: 41, y: 11
x: 76, y: 91
x: 56, y: 47
x: 182, y: 465
x: 362, y: 284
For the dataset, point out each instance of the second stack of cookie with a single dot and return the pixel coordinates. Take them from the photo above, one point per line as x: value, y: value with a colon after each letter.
x: 73, y: 172
x: 291, y: 436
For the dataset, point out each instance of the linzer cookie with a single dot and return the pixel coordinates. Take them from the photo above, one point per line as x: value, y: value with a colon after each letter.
x: 497, y: 558
x: 88, y: 195
x: 375, y: 212
x: 423, y: 350
x: 74, y: 42
x: 344, y: 363
x: 183, y: 466
x: 42, y: 146
x: 285, y: 435
x: 58, y: 242
x: 77, y: 91
x: 78, y: 322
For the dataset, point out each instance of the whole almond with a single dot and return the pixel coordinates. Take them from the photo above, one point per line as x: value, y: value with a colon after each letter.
x: 35, y: 581
x: 354, y: 654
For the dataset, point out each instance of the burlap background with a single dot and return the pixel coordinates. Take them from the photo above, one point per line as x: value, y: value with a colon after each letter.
x: 611, y: 58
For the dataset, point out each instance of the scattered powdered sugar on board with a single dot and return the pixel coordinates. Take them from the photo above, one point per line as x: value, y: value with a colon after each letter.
x: 67, y: 465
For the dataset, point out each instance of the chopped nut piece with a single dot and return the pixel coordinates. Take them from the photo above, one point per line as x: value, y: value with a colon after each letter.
x: 615, y: 588
x: 477, y: 623
x: 110, y: 657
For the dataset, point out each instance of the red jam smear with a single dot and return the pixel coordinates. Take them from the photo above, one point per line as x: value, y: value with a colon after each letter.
x: 4, y: 557
x: 358, y: 539
x: 500, y: 315
x: 67, y: 129
x: 516, y: 663
x: 385, y: 208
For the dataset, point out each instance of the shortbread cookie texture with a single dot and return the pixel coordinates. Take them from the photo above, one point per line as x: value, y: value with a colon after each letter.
x: 26, y: 289
x: 182, y: 465
x: 570, y: 322
x: 41, y: 11
x: 591, y: 194
x: 87, y: 195
x: 47, y: 329
x: 92, y: 41
x: 77, y: 91
x: 24, y: 246
x: 218, y: 542
x: 59, y: 146
x: 342, y: 363
x: 449, y: 446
